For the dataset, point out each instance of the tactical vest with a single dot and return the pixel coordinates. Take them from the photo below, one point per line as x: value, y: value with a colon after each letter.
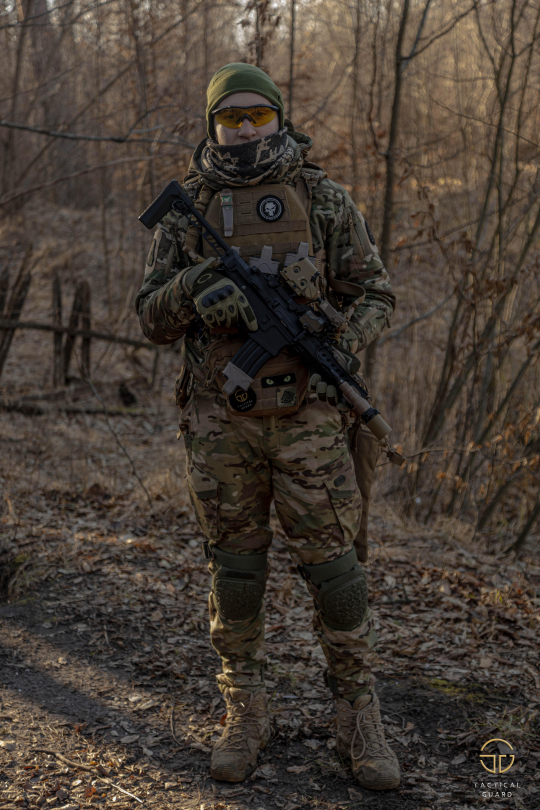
x: 268, y: 225
x: 272, y: 216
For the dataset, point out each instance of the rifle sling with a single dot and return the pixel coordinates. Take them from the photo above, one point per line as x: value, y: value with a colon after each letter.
x: 347, y: 288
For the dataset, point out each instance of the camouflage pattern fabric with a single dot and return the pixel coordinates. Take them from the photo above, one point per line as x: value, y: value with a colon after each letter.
x: 235, y: 468
x: 245, y: 164
x: 338, y: 228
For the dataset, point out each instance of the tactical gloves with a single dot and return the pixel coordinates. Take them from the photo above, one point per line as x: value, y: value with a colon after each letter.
x: 329, y: 393
x: 217, y: 299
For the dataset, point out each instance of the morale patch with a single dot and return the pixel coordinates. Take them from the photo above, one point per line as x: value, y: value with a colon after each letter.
x: 270, y: 208
x: 243, y: 401
x: 279, y: 379
x: 368, y: 231
x: 286, y: 397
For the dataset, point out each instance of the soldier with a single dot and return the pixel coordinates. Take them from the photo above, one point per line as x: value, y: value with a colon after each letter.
x: 286, y: 438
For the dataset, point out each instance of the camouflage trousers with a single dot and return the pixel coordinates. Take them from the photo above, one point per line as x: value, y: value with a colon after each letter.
x: 236, y: 467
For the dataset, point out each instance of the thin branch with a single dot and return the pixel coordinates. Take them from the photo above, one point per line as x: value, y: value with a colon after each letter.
x: 412, y: 53
x: 36, y: 16
x: 119, y: 443
x: 74, y: 137
x: 441, y: 33
x: 397, y: 332
x: 5, y: 323
x: 487, y: 123
x: 533, y: 517
x: 108, y: 85
x: 10, y: 197
x: 88, y: 769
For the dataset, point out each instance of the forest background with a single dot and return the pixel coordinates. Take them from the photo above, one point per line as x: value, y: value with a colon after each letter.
x: 427, y: 112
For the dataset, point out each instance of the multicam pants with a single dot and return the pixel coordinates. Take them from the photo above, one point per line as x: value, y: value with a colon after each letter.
x: 236, y: 466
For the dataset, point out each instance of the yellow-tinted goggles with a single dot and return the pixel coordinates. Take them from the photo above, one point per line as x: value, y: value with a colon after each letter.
x: 232, y: 117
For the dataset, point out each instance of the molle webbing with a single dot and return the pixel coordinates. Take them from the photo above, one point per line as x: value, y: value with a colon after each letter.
x: 251, y: 230
x: 305, y: 183
x: 256, y: 250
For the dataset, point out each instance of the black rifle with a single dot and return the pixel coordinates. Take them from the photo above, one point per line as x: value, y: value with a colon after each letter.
x: 282, y: 321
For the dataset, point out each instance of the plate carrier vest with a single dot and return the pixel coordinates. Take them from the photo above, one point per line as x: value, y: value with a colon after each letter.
x: 268, y: 225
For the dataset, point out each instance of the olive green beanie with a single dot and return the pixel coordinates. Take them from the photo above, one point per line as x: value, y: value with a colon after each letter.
x: 238, y: 77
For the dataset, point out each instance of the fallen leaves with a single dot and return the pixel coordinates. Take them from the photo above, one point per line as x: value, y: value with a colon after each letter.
x: 267, y: 771
x: 136, y: 628
x: 298, y: 768
x: 230, y: 793
x: 130, y: 738
x: 354, y: 795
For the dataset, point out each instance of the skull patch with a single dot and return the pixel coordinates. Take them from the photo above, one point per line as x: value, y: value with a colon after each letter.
x: 270, y: 208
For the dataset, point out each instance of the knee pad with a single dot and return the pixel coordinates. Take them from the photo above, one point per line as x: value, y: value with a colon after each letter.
x: 238, y: 584
x: 342, y: 591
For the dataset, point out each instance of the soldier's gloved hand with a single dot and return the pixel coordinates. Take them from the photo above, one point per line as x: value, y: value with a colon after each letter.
x: 217, y: 299
x: 327, y: 393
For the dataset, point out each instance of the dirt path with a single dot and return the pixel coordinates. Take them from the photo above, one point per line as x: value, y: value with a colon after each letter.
x: 105, y: 660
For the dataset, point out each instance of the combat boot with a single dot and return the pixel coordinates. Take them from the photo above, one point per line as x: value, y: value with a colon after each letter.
x: 360, y: 738
x: 247, y: 731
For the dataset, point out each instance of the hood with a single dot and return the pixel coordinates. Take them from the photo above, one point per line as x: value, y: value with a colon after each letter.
x: 196, y: 174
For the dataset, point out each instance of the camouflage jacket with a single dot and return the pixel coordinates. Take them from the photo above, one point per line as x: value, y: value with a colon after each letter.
x: 166, y: 314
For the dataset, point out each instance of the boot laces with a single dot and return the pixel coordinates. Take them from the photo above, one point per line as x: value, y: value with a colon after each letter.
x: 241, y: 718
x: 373, y: 739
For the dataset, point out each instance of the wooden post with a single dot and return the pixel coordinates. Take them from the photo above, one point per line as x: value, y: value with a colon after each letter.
x: 80, y: 311
x: 14, y: 307
x: 57, y: 336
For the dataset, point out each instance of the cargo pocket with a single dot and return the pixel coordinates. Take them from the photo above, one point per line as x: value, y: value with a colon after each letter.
x: 346, y: 500
x: 204, y: 491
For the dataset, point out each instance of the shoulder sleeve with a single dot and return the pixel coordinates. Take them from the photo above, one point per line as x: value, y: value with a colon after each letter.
x: 163, y: 309
x: 353, y: 263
